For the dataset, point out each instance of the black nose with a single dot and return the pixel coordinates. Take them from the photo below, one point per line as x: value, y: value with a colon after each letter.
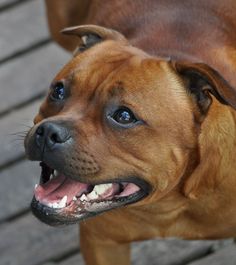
x: 49, y: 135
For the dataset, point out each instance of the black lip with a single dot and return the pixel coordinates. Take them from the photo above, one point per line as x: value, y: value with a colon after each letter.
x: 52, y: 217
x: 56, y: 217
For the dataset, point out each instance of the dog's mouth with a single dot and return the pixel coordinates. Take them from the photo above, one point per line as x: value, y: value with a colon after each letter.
x: 59, y: 199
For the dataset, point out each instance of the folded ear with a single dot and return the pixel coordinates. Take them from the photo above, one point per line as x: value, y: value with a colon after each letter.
x: 203, y: 81
x: 90, y: 35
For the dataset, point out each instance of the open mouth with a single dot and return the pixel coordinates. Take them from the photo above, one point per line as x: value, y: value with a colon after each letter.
x: 59, y: 199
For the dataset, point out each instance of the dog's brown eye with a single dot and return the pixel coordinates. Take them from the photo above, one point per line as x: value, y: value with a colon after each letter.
x: 124, y: 116
x: 58, y: 91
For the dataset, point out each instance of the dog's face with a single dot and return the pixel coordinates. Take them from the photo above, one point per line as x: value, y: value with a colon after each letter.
x: 117, y: 127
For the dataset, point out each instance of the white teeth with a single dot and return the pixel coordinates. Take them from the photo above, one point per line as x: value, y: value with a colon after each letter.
x: 63, y: 201
x: 83, y: 198
x: 100, y: 189
x: 57, y: 205
x: 55, y: 174
x: 74, y: 198
x: 92, y: 195
x: 36, y: 186
x: 53, y: 205
x: 50, y: 205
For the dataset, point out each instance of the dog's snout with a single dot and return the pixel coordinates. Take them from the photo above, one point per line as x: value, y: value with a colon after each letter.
x: 49, y: 135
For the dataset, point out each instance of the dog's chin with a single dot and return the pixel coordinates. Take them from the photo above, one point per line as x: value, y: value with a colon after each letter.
x: 60, y: 200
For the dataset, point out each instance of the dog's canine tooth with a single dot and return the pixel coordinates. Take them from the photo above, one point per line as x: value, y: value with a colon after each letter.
x: 56, y: 173
x: 36, y: 186
x: 62, y: 202
x: 100, y: 189
x: 83, y: 198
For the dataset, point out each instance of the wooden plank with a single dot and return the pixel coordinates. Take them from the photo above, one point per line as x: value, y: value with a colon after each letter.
x: 12, y: 145
x: 28, y: 241
x: 17, y: 185
x: 28, y: 76
x: 10, y: 3
x: 74, y: 260
x: 7, y: 2
x: 163, y: 252
x: 22, y: 26
x: 225, y: 256
x: 168, y: 252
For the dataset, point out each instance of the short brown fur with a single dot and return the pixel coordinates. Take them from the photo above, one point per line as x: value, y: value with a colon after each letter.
x: 188, y: 157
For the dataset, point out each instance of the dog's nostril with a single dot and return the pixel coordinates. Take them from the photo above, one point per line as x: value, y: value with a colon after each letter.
x: 56, y: 138
x: 49, y: 134
x: 40, y: 131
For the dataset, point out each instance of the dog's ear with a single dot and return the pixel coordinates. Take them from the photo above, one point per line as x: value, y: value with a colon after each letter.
x: 202, y: 81
x: 90, y: 35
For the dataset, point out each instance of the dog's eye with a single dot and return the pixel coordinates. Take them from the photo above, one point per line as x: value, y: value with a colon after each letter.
x: 124, y: 116
x: 58, y: 91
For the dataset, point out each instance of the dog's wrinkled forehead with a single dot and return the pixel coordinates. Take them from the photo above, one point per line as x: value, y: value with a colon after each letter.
x: 102, y: 47
x: 93, y: 67
x: 103, y: 56
x: 112, y: 74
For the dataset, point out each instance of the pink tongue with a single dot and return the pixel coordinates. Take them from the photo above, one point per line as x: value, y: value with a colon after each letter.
x: 55, y: 189
x: 131, y: 188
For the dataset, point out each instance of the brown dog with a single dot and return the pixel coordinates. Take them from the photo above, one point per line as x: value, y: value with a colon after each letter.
x: 121, y: 126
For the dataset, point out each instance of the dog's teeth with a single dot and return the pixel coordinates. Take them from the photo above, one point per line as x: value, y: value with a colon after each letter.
x: 100, y: 189
x: 83, y: 198
x: 92, y: 195
x: 36, y: 186
x: 54, y: 205
x: 62, y: 203
x: 54, y: 174
x: 74, y: 198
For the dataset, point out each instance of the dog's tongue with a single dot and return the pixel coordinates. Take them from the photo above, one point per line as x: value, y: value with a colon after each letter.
x: 55, y: 189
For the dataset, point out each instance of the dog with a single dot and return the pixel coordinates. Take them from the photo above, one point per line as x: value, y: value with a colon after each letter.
x: 137, y: 135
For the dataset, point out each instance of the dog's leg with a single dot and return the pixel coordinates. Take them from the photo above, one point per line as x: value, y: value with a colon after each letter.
x: 97, y: 251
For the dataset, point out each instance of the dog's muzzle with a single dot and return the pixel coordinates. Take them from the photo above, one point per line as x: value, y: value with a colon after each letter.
x: 69, y: 190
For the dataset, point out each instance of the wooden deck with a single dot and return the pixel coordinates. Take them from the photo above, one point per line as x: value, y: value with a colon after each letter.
x: 28, y: 61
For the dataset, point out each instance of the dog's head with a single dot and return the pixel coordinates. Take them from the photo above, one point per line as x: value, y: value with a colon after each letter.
x: 117, y: 127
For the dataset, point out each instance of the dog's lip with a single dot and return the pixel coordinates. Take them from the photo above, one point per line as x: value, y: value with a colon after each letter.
x: 78, y: 209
